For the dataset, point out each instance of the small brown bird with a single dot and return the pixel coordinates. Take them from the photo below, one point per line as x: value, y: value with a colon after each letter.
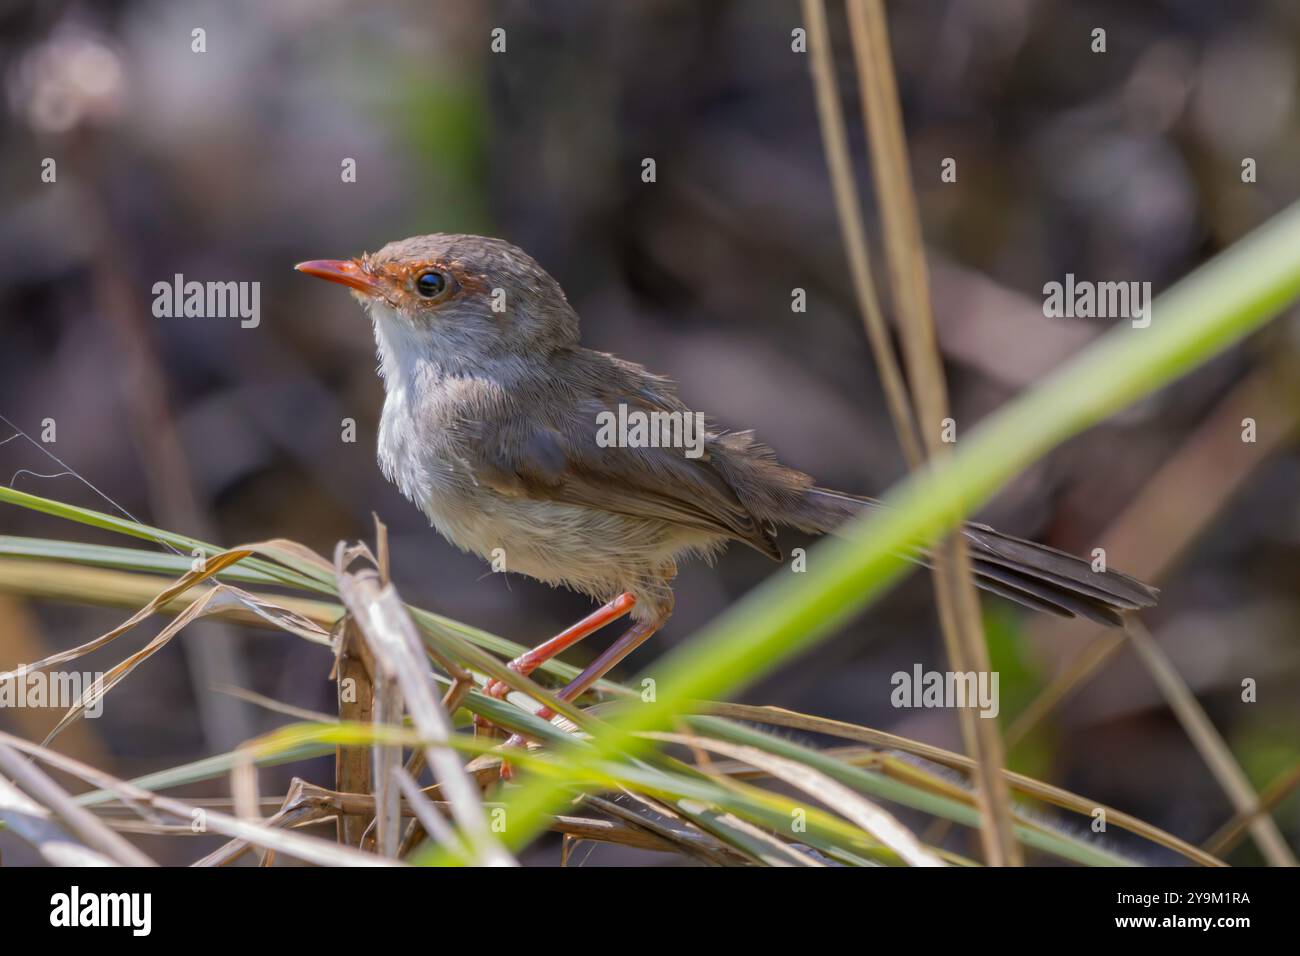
x: 509, y: 435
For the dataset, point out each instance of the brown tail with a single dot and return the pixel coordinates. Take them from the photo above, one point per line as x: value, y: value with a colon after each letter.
x: 1030, y: 574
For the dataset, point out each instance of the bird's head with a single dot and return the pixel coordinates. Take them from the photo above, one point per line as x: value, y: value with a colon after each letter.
x: 456, y: 300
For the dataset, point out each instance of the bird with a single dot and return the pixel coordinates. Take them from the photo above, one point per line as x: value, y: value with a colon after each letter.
x: 496, y: 424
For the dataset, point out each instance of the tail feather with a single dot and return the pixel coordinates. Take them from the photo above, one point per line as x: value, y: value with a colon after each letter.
x: 1027, y: 594
x: 1030, y: 574
x: 1025, y: 590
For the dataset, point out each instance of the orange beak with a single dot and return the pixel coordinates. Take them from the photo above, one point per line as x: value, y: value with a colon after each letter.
x: 343, y: 271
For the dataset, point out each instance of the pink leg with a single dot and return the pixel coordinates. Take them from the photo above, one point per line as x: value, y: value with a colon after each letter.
x: 529, y: 661
x: 633, y: 638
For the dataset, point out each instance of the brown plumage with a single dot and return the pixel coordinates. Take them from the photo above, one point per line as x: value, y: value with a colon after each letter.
x: 491, y: 427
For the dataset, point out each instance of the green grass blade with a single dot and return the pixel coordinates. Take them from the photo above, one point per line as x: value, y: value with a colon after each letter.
x: 1202, y: 315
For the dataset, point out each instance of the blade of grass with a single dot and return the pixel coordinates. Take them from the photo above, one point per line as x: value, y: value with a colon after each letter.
x: 125, y: 559
x: 916, y: 788
x: 41, y: 787
x: 34, y: 824
x: 1227, y: 836
x: 1212, y: 747
x: 400, y: 661
x: 446, y: 632
x: 301, y: 847
x: 130, y: 589
x: 134, y: 529
x: 1205, y: 313
x: 865, y: 814
x: 686, y: 839
x: 881, y: 739
x: 1175, y: 506
x: 852, y: 231
x: 959, y: 611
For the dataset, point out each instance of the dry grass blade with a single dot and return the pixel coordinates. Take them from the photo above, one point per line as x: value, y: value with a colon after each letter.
x: 243, y: 785
x: 954, y: 586
x: 34, y: 824
x: 849, y: 212
x: 1228, y: 835
x: 89, y: 828
x: 447, y: 639
x: 1213, y: 749
x: 874, y: 821
x: 353, y: 772
x: 615, y: 832
x: 294, y: 811
x: 293, y: 555
x: 746, y: 837
x: 685, y: 838
x: 1046, y: 792
x: 306, y: 803
x: 307, y: 849
x: 132, y: 589
x: 212, y: 601
x: 387, y: 761
x: 430, y: 819
x: 957, y: 603
x: 60, y: 580
x: 273, y: 705
x: 178, y: 587
x: 399, y: 657
x: 1175, y: 506
x: 386, y: 709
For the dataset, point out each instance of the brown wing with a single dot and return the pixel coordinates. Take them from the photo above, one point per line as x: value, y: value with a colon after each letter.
x: 553, y: 454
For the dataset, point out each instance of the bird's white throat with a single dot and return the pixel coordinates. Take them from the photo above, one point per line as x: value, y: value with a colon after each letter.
x: 400, y: 346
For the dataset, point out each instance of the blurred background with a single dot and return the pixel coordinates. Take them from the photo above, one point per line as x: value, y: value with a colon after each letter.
x: 226, y: 165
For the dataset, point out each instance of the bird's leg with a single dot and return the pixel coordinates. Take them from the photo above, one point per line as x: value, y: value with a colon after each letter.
x: 529, y: 661
x: 633, y: 638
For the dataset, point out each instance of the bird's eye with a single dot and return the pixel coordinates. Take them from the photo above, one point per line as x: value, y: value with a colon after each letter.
x: 430, y: 284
